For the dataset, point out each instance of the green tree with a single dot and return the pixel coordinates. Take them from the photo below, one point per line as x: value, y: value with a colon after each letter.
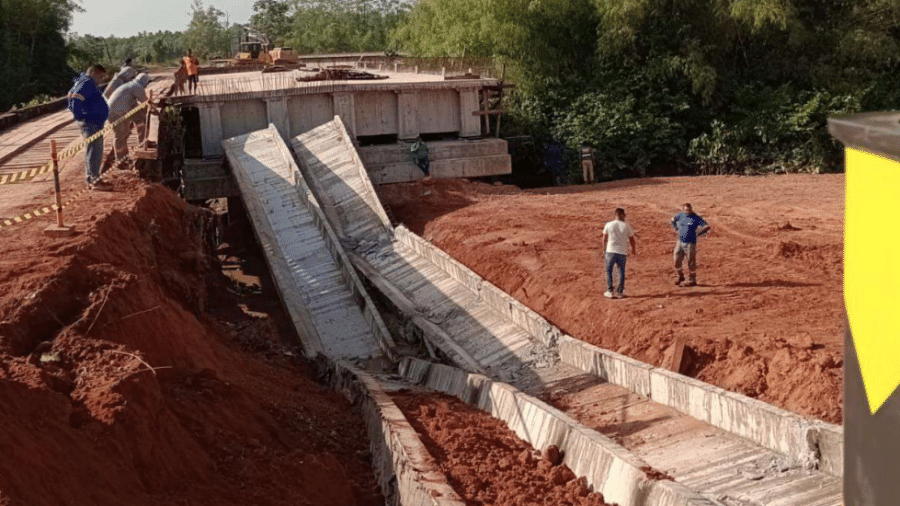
x: 208, y: 33
x: 736, y: 84
x: 33, y: 58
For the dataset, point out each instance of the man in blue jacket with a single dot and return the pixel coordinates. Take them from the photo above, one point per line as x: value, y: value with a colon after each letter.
x: 689, y: 226
x: 90, y: 110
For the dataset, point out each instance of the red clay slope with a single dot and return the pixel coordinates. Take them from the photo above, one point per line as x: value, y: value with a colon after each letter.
x: 83, y: 420
x: 766, y: 319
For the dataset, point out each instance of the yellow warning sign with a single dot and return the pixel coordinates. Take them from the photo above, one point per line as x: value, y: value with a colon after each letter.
x: 872, y: 270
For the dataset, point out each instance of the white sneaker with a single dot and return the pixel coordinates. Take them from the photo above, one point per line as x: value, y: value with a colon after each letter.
x: 609, y: 295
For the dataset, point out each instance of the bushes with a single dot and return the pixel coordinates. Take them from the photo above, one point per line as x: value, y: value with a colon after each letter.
x: 770, y: 129
x: 625, y: 132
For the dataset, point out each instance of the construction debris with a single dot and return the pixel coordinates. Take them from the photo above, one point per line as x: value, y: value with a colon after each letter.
x: 340, y: 73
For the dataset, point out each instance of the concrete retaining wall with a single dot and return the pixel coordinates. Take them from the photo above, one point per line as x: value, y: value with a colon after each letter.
x: 608, y: 467
x: 404, y: 469
x: 811, y: 442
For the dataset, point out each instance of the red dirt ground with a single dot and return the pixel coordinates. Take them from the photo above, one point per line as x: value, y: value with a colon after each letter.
x: 228, y: 415
x: 766, y: 319
x: 485, y: 462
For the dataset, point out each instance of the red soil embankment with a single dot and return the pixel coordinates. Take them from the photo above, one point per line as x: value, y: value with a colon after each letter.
x: 128, y: 375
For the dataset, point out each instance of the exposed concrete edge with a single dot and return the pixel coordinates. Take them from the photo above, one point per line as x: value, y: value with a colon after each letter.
x: 298, y: 143
x: 373, y: 199
x: 496, y: 298
x: 278, y: 267
x: 406, y: 472
x: 323, y: 87
x: 608, y: 467
x: 612, y: 367
x: 352, y: 281
x: 810, y: 442
x: 430, y: 331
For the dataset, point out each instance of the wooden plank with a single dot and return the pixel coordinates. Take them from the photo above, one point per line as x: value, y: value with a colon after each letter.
x: 675, y: 364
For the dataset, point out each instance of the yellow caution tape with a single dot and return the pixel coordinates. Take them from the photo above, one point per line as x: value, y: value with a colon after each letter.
x: 871, y: 271
x: 20, y: 177
x: 6, y: 223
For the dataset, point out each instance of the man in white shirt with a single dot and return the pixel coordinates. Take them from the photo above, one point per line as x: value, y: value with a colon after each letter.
x: 617, y: 235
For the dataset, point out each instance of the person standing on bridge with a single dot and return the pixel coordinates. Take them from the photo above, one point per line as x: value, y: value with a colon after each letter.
x: 124, y: 75
x: 126, y: 98
x: 617, y: 235
x: 689, y: 227
x: 90, y: 111
x: 192, y: 64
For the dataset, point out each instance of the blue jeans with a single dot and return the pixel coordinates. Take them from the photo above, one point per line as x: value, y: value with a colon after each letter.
x: 93, y: 153
x: 611, y: 260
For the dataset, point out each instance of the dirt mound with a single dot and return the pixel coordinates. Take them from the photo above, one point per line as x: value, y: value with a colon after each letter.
x: 765, y: 320
x: 485, y: 462
x: 125, y: 379
x: 443, y: 196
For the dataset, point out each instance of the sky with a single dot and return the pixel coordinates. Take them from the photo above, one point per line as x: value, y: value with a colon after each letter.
x: 124, y: 18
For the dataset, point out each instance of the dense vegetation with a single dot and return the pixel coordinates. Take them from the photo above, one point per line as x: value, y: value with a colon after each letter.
x: 671, y: 85
x: 33, y: 49
x: 717, y: 85
x: 330, y: 26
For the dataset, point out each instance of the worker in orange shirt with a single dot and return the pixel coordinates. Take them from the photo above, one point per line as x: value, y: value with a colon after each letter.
x: 193, y: 71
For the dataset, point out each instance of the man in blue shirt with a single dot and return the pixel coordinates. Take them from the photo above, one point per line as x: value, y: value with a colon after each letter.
x: 689, y: 226
x: 90, y: 110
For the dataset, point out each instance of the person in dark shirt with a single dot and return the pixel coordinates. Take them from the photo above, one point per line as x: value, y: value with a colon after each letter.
x: 419, y: 153
x: 90, y: 111
x: 689, y: 226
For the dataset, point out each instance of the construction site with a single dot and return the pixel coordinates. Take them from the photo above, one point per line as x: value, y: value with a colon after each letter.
x: 274, y: 307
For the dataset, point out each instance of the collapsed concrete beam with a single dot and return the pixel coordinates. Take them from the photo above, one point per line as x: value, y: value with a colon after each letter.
x: 608, y: 467
x: 406, y: 472
x: 317, y: 283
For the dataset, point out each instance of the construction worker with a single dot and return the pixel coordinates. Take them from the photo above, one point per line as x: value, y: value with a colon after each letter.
x: 90, y: 111
x: 555, y: 162
x: 689, y: 227
x: 180, y: 78
x: 419, y: 151
x: 126, y: 98
x: 192, y: 64
x: 124, y: 75
x: 587, y: 164
x: 617, y: 235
